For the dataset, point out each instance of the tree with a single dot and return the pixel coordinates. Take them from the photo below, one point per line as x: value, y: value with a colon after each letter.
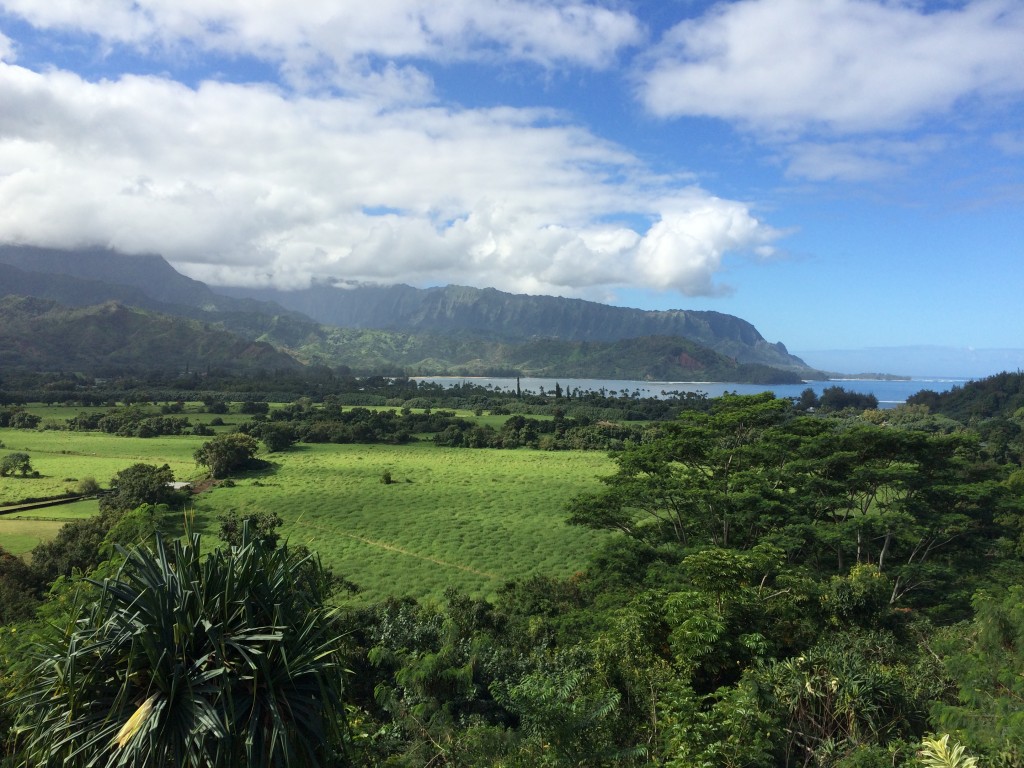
x: 77, y: 546
x: 186, y: 660
x: 260, y: 526
x: 18, y: 418
x: 986, y: 661
x: 139, y: 484
x: 707, y: 478
x: 19, y: 589
x: 14, y: 463
x: 225, y: 454
x: 276, y: 437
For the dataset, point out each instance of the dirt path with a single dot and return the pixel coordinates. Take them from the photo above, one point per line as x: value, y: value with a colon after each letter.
x: 402, y: 551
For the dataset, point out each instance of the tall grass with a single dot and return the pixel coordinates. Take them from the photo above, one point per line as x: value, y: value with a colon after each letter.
x: 451, y: 517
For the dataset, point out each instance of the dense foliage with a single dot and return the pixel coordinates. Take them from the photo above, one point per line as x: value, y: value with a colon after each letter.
x: 781, y: 587
x: 184, y: 660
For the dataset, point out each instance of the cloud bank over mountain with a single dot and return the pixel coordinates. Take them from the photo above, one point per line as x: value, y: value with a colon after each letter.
x: 725, y: 155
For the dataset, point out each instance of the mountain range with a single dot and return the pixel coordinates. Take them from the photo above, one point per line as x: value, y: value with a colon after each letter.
x: 398, y: 329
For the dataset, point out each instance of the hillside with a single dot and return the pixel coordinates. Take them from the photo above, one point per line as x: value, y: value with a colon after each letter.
x: 995, y: 397
x: 43, y: 335
x: 514, y: 317
x: 459, y: 331
x: 659, y: 358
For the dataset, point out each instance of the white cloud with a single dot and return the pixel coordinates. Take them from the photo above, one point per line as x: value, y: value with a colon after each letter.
x: 247, y: 184
x: 343, y: 39
x: 844, y: 66
x: 864, y: 160
x: 7, y: 49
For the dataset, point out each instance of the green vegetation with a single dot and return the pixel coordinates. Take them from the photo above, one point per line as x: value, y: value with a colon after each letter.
x: 15, y: 464
x: 264, y: 688
x: 743, y: 582
x: 471, y: 519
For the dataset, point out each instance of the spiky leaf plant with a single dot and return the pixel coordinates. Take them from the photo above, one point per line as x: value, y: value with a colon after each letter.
x: 227, y: 659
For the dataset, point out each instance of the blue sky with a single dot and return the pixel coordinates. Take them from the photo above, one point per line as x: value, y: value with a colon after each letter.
x: 845, y: 174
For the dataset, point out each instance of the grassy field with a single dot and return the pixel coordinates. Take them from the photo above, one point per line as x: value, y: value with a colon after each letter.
x: 63, y: 458
x: 469, y: 518
x: 20, y: 532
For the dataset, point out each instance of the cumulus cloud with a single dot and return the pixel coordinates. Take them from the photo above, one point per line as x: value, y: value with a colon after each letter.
x: 846, y: 66
x: 252, y: 184
x: 344, y: 41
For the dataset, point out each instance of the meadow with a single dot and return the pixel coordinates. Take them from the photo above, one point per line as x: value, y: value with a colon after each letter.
x: 473, y: 519
x: 21, y: 531
x: 63, y: 458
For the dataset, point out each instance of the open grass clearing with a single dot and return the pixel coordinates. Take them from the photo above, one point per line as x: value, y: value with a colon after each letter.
x: 20, y: 532
x: 64, y: 458
x: 452, y: 517
x: 19, y: 537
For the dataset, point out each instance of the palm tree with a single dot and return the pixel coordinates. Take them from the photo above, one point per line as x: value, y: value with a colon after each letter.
x: 183, y: 660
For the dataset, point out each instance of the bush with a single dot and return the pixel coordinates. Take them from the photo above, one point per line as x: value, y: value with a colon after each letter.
x: 87, y: 486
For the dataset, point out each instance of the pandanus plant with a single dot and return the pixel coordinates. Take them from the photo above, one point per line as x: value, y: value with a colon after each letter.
x: 226, y: 659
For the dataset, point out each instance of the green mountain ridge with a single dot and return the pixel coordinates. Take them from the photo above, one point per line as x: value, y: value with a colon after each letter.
x: 454, y: 335
x: 114, y: 338
x: 517, y: 317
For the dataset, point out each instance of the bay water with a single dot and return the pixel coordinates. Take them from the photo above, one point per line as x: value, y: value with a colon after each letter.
x: 890, y: 393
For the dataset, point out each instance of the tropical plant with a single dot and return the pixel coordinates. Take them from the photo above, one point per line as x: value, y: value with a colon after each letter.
x: 985, y: 660
x: 184, y: 660
x: 937, y: 753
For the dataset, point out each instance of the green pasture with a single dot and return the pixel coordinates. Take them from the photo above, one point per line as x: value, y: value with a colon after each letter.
x: 469, y: 518
x: 452, y: 517
x: 62, y: 458
x: 21, y: 531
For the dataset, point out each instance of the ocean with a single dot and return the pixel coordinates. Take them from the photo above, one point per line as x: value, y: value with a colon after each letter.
x: 889, y: 393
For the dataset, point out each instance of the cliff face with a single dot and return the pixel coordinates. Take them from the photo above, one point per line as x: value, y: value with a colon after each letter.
x: 513, y: 317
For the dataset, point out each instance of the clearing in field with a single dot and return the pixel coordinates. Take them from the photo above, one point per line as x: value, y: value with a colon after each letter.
x: 63, y: 458
x: 468, y: 518
x: 20, y: 532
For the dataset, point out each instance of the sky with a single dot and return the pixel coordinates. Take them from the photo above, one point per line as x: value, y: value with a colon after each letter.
x: 844, y: 174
